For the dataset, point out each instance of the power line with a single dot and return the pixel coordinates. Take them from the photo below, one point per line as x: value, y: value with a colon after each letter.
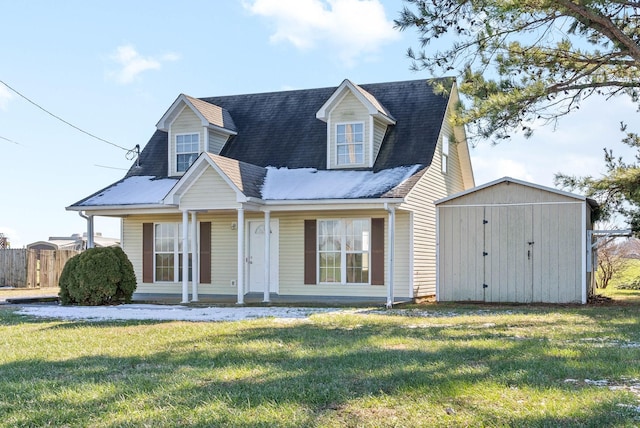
x: 11, y: 141
x: 62, y: 120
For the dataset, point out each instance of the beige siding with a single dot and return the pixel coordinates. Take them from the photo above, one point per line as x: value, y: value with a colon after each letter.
x: 223, y: 257
x: 350, y: 109
x: 292, y: 257
x: 216, y: 142
x: 379, y: 130
x: 187, y: 122
x: 210, y: 191
x: 432, y: 186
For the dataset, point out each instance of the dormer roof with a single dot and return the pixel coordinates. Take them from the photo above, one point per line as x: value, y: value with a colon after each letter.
x: 373, y: 105
x: 210, y: 115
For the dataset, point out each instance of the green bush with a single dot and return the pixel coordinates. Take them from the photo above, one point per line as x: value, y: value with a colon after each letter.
x: 633, y: 285
x: 98, y: 276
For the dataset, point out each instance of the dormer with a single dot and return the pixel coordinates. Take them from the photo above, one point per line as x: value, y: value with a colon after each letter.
x: 194, y: 126
x: 356, y: 125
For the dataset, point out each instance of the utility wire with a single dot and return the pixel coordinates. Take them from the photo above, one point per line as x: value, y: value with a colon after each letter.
x: 62, y: 120
x: 11, y: 141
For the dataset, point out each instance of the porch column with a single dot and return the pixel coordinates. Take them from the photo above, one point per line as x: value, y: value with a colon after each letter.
x: 240, y: 256
x: 195, y: 257
x: 267, y: 255
x: 391, y: 261
x: 185, y: 257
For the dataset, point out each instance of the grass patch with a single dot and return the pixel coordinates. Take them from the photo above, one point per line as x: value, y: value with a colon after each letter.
x: 433, y: 365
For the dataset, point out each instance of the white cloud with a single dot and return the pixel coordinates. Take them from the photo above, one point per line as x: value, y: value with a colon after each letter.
x: 5, y: 96
x: 133, y: 64
x: 352, y: 28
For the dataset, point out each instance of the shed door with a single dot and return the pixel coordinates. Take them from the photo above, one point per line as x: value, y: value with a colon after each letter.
x: 508, y: 254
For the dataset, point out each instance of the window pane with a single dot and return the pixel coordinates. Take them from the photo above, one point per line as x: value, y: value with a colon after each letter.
x: 330, y: 267
x: 180, y: 268
x: 187, y: 150
x: 164, y: 267
x: 164, y: 237
x: 358, y: 268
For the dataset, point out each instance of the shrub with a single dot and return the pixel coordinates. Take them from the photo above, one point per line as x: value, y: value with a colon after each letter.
x: 98, y: 276
x: 633, y: 285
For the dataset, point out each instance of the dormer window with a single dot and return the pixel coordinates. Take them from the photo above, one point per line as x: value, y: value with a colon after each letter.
x: 350, y: 143
x: 187, y: 150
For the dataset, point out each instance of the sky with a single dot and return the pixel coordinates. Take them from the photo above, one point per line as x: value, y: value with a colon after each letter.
x: 112, y: 69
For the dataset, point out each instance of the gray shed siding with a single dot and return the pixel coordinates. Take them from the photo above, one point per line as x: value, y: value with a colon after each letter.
x: 510, y: 242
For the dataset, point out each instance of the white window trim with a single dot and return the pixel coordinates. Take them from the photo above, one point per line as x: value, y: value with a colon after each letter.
x: 175, y: 145
x: 364, y: 143
x: 343, y: 252
x: 446, y: 145
x: 176, y: 251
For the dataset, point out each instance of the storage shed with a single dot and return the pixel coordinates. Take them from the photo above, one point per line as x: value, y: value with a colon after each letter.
x: 514, y: 241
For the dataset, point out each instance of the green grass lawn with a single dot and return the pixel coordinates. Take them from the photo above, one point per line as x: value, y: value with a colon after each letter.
x: 430, y: 365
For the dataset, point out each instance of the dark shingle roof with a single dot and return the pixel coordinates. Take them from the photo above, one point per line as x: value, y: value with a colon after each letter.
x: 280, y: 129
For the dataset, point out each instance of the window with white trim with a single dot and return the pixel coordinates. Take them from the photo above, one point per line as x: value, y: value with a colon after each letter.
x: 343, y: 251
x: 445, y: 154
x: 187, y: 150
x: 350, y: 143
x: 168, y: 252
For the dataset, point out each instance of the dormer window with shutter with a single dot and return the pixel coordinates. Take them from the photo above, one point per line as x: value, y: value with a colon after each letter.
x: 356, y: 125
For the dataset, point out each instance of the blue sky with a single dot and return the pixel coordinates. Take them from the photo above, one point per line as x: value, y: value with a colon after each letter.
x: 113, y: 68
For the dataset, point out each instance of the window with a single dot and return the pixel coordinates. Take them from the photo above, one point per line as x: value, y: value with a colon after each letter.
x: 445, y: 154
x: 343, y: 251
x: 187, y: 150
x: 350, y: 143
x: 168, y: 252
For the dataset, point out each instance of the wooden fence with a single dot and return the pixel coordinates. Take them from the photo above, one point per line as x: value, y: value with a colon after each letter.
x: 24, y: 268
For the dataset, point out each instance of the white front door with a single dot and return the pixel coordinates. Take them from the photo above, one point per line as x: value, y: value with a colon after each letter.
x: 256, y: 252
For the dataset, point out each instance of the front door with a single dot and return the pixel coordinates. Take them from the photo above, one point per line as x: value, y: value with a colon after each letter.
x: 256, y: 252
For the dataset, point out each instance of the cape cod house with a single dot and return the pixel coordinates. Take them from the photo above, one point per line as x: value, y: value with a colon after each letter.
x: 304, y: 194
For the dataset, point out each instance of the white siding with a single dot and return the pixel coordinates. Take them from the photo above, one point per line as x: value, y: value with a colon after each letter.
x: 185, y: 123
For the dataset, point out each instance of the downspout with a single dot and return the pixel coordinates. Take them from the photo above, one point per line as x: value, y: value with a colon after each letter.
x: 392, y: 241
x: 89, y: 218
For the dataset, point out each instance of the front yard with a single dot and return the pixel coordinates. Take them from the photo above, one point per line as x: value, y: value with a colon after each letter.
x: 430, y: 365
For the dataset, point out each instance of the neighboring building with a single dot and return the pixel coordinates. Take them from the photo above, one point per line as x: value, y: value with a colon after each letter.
x: 517, y: 242
x: 343, y: 179
x: 77, y: 241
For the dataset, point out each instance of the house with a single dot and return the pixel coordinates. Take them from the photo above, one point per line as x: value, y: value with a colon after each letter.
x: 77, y: 241
x: 517, y: 242
x: 305, y: 194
